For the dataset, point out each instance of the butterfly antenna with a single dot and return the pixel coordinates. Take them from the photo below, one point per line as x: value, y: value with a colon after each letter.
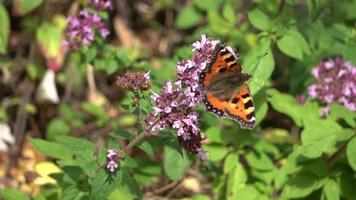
x: 255, y: 81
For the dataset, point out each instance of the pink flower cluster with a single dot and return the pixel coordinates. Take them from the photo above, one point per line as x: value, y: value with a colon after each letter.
x: 175, y: 103
x: 335, y: 83
x: 113, y: 157
x: 82, y: 29
x: 134, y: 81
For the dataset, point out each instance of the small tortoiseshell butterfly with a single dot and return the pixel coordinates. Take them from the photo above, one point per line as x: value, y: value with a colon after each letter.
x: 225, y: 92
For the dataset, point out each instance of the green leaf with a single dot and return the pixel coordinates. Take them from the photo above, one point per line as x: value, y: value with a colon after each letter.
x: 51, y: 149
x: 22, y: 7
x: 214, y: 134
x: 351, y: 153
x: 147, y: 148
x: 230, y: 162
x: 349, y: 52
x: 76, y: 144
x: 331, y: 190
x: 4, y: 29
x: 71, y: 193
x: 259, y: 20
x: 259, y: 161
x: 95, y: 110
x: 229, y: 13
x: 300, y: 185
x: 285, y: 104
x: 319, y: 138
x: 247, y: 192
x: 57, y: 127
x: 215, y: 152
x: 13, y: 194
x: 49, y: 37
x: 288, y: 44
x: 347, y: 184
x: 338, y: 111
x: 188, y: 17
x: 129, y: 162
x: 236, y: 180
x: 298, y: 37
x: 174, y: 164
x: 207, y: 5
x: 103, y: 183
x: 121, y: 134
x: 260, y: 64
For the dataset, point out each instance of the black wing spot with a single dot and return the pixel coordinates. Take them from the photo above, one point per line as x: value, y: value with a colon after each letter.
x: 224, y: 52
x: 248, y: 104
x: 222, y: 69
x: 252, y: 114
x: 233, y: 65
x: 245, y: 96
x: 230, y: 59
x: 235, y: 100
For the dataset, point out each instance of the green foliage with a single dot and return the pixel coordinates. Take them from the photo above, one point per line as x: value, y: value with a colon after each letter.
x: 4, y: 29
x: 22, y: 7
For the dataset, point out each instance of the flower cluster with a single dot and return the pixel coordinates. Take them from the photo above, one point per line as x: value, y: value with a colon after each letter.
x: 134, y: 81
x: 335, y: 83
x: 83, y: 28
x: 100, y: 4
x: 175, y: 103
x: 113, y: 157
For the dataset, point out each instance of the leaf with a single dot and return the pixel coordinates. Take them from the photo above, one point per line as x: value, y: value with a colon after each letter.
x: 300, y: 185
x: 122, y: 134
x: 319, y: 138
x: 147, y: 148
x: 95, y: 110
x: 71, y: 193
x: 259, y: 161
x: 298, y: 37
x: 174, y: 164
x: 285, y: 104
x: 129, y: 162
x: 104, y: 182
x: 349, y: 52
x: 51, y: 149
x: 351, y: 153
x: 230, y: 162
x: 75, y: 144
x: 260, y: 64
x: 214, y: 134
x: 215, y: 152
x: 338, y: 111
x: 259, y: 20
x: 44, y: 169
x: 13, y: 194
x: 236, y: 180
x: 22, y: 7
x: 57, y: 127
x: 229, y: 13
x: 49, y: 37
x: 207, y: 5
x: 247, y: 192
x: 289, y: 46
x: 188, y: 17
x: 331, y: 190
x: 4, y: 29
x: 347, y: 184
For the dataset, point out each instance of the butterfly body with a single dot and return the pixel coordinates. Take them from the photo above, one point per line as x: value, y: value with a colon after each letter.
x: 225, y: 91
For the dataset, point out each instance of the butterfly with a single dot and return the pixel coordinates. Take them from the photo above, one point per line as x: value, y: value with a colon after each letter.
x: 225, y: 92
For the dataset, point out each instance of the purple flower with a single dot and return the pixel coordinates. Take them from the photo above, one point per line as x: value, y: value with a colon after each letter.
x: 176, y: 101
x: 112, y: 158
x: 325, y: 112
x: 82, y: 29
x: 100, y: 4
x: 300, y: 99
x: 134, y: 81
x: 335, y: 83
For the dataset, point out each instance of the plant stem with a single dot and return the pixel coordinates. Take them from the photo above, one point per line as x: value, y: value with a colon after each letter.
x: 139, y: 137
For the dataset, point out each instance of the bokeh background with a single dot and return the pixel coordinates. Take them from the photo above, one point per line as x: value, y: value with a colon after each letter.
x: 61, y: 109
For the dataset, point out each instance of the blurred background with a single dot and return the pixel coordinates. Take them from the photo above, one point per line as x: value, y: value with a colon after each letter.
x: 59, y: 61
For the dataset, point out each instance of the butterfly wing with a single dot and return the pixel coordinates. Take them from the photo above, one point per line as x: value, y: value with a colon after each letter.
x: 239, y: 105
